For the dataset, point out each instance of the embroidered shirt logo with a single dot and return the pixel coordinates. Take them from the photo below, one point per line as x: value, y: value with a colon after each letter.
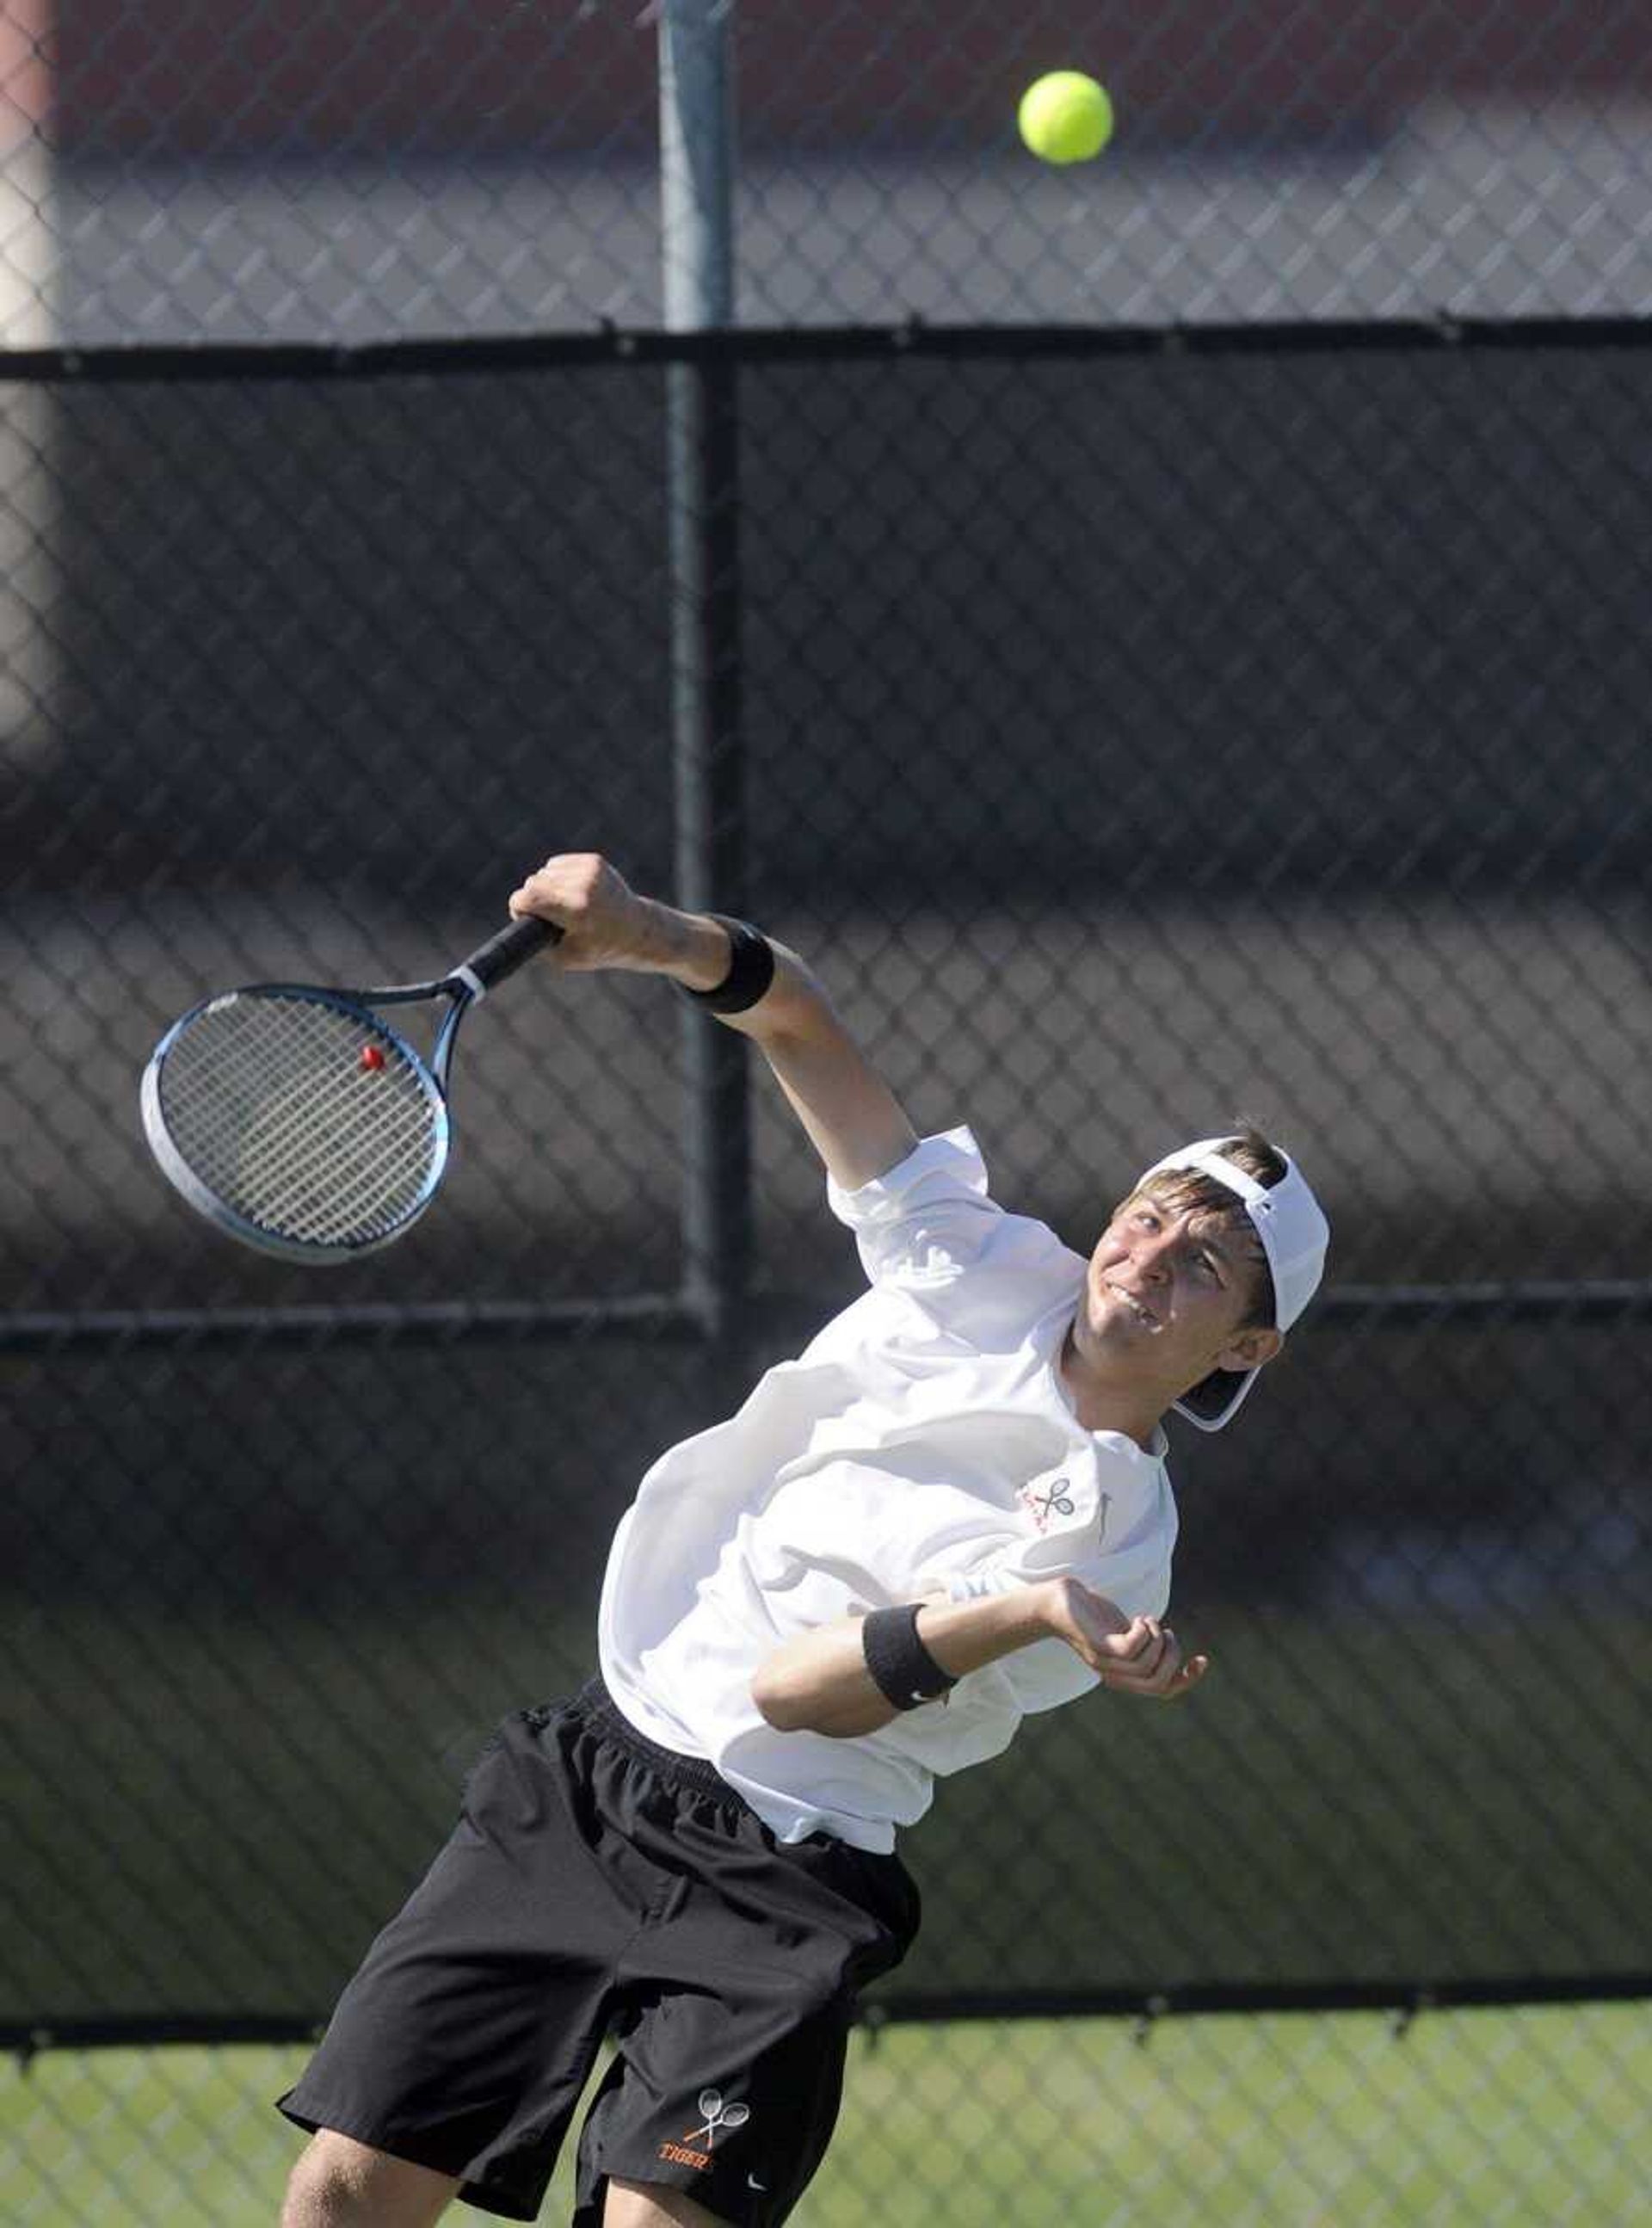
x: 720, y: 2118
x: 1054, y: 1497
x: 1043, y: 1504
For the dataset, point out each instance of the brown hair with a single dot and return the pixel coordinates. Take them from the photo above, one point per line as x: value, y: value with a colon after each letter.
x: 1190, y: 1191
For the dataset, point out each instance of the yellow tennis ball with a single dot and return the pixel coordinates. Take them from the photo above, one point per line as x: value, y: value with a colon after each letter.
x: 1065, y: 117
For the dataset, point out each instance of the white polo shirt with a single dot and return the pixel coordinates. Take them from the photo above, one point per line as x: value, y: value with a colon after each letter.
x: 922, y: 1441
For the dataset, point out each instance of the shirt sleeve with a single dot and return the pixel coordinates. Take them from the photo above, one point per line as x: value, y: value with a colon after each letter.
x: 1133, y: 1573
x: 924, y: 1220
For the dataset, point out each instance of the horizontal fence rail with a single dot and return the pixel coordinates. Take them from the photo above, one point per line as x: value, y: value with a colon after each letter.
x: 661, y: 1315
x: 1407, y: 2000
x: 207, y: 361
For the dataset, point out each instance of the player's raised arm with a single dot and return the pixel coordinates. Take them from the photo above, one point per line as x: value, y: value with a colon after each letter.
x: 850, y: 1114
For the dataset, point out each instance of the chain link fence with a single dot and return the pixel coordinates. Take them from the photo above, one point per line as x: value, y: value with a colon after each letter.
x: 1136, y: 731
x: 282, y: 173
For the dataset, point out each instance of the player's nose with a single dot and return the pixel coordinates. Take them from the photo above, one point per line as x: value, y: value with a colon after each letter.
x: 1152, y: 1253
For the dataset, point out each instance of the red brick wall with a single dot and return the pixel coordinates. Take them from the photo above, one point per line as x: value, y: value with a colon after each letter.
x: 25, y: 67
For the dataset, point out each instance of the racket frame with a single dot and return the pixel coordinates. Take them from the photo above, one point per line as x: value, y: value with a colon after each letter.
x: 462, y: 987
x: 353, y: 1006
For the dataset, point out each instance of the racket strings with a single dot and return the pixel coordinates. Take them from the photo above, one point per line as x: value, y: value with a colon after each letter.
x: 266, y: 1098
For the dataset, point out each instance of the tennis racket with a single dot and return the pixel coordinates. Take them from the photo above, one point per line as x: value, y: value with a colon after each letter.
x: 297, y: 1120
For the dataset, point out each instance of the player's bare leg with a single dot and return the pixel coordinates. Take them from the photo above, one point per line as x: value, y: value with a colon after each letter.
x: 651, y: 2205
x: 339, y: 2183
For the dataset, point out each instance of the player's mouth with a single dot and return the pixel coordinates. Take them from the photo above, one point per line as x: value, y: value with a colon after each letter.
x: 1131, y: 1305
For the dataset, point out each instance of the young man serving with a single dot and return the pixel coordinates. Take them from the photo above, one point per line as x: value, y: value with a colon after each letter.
x: 950, y: 1511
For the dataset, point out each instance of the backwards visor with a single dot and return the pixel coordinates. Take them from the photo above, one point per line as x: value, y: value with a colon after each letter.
x: 1294, y: 1233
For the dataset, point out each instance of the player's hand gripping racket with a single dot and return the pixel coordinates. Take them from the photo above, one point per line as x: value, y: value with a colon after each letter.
x: 297, y: 1120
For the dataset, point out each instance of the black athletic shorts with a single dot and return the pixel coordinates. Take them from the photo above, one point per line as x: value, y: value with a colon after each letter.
x: 596, y: 1884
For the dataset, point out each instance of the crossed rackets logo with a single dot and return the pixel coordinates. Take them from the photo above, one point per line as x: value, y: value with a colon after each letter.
x: 1056, y: 1497
x: 718, y: 2115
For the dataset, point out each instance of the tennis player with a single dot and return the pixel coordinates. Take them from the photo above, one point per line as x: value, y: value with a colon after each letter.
x: 952, y: 1510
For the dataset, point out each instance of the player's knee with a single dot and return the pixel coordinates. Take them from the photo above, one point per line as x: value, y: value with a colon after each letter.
x: 339, y: 2183
x: 326, y: 2188
x: 654, y: 2204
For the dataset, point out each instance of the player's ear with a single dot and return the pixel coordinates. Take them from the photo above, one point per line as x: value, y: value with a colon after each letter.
x: 1251, y: 1349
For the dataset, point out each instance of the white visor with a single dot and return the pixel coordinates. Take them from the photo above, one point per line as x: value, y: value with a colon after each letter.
x: 1294, y: 1234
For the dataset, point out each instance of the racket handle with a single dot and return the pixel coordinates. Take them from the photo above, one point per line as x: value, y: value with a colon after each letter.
x: 512, y: 947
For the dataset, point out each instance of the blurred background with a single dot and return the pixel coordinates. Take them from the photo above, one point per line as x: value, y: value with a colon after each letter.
x: 281, y: 172
x: 1167, y: 639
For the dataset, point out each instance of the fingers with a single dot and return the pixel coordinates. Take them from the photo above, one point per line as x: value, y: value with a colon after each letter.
x: 1139, y: 1645
x: 1108, y: 1645
x: 1140, y: 1656
x: 1099, y: 1615
x: 1187, y: 1678
x: 1155, y: 1667
x: 529, y: 902
x: 589, y: 901
x: 548, y: 891
x: 569, y: 881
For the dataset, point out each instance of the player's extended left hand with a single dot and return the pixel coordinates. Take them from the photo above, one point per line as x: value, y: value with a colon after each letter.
x: 1132, y: 1655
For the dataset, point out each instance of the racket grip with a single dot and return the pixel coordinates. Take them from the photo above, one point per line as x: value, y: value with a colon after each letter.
x: 512, y: 947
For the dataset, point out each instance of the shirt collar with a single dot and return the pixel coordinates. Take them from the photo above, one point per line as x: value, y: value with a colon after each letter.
x: 1120, y: 1442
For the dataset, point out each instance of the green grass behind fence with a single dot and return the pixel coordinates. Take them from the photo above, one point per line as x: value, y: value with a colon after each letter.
x: 1532, y: 2117
x: 242, y: 1801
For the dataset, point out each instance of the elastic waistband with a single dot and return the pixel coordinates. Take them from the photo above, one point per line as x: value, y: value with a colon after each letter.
x: 598, y: 1706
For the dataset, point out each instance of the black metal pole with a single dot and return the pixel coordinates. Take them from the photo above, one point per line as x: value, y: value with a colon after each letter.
x: 710, y: 772
x: 702, y: 463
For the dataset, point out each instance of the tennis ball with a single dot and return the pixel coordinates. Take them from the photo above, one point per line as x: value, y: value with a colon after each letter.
x: 1065, y: 117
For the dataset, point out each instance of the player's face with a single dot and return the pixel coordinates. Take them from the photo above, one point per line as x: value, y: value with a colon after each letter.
x: 1169, y: 1292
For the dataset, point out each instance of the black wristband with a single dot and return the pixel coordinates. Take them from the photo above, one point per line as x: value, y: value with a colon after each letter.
x: 751, y: 969
x: 903, y: 1670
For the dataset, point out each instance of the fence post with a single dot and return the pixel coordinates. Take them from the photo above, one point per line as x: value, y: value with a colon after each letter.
x: 696, y: 191
x: 29, y: 488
